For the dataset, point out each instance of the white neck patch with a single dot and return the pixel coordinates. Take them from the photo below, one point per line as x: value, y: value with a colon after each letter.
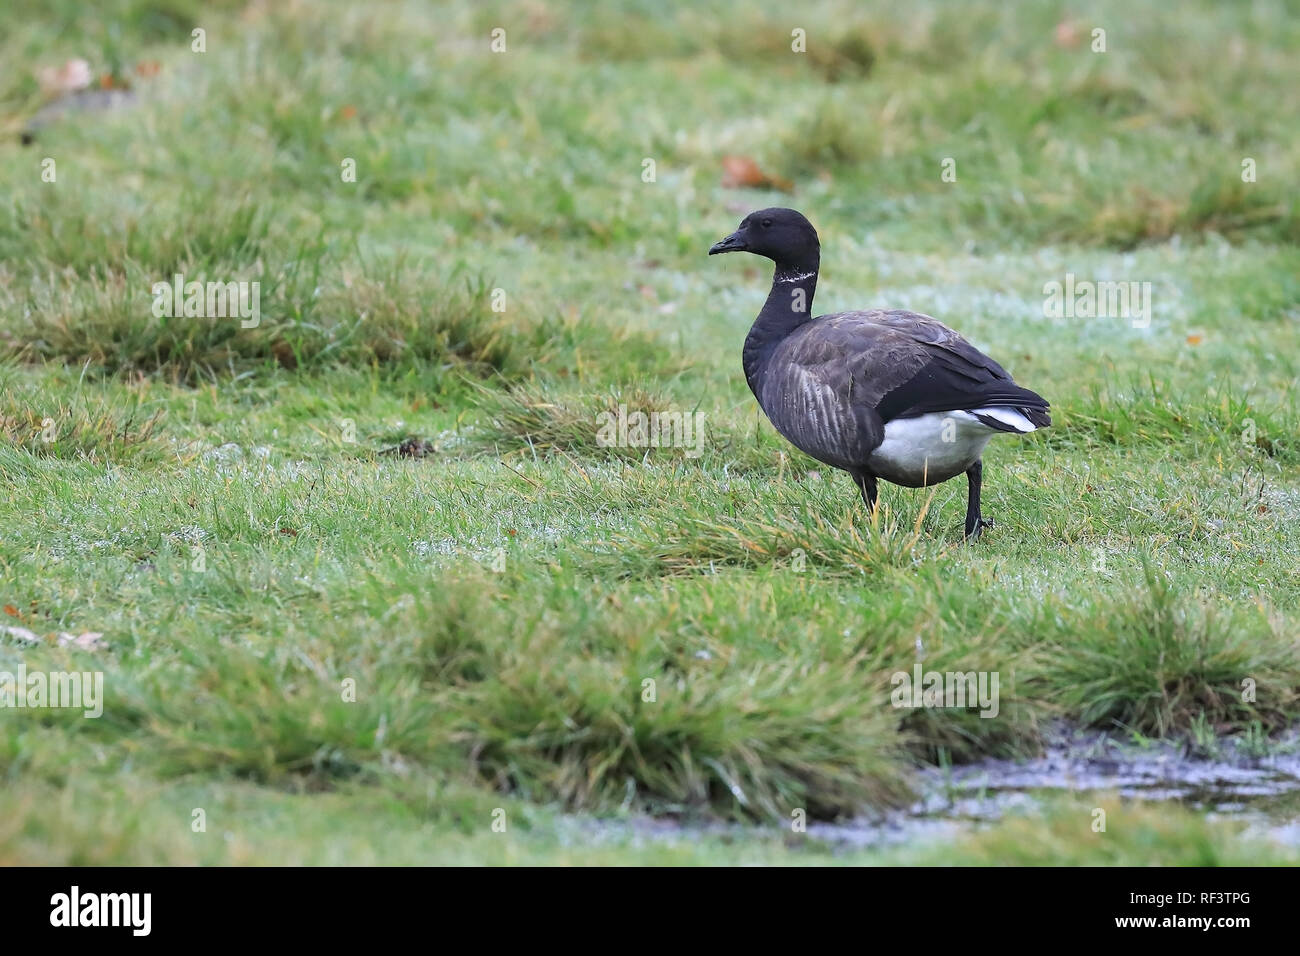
x: 795, y: 277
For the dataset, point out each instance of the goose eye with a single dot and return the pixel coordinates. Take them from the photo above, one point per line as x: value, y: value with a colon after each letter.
x: 766, y: 223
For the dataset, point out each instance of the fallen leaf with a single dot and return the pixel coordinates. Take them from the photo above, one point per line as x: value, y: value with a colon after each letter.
x: 284, y: 354
x: 86, y: 640
x: 110, y: 81
x: 1194, y: 339
x: 348, y: 112
x: 72, y: 76
x: 11, y: 610
x: 1067, y: 34
x: 21, y: 634
x: 740, y: 171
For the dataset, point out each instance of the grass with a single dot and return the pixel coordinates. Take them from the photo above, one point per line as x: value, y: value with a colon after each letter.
x: 345, y: 654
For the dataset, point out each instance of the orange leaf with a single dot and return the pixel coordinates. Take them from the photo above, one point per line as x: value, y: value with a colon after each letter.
x: 1194, y: 339
x: 1067, y: 34
x: 743, y: 171
x: 11, y: 610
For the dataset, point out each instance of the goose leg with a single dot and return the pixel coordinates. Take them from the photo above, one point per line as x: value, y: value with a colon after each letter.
x: 974, y: 522
x: 867, y: 485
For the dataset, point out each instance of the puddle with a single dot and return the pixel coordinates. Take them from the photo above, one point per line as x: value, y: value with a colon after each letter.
x: 1262, y: 791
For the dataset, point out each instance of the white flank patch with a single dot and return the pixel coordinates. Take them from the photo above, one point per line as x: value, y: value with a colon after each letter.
x: 928, y: 449
x: 1007, y: 416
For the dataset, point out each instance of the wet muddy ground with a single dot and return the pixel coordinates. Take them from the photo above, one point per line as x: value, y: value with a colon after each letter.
x: 1259, y: 785
x: 1238, y: 780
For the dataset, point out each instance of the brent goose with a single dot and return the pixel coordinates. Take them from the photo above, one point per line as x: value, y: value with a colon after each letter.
x: 880, y: 394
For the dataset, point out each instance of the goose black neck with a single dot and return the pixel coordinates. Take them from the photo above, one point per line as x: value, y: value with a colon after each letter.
x: 788, y: 306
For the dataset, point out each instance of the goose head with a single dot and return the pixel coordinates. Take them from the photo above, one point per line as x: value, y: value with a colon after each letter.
x: 783, y: 235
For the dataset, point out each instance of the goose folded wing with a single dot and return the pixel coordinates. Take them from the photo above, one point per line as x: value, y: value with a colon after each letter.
x: 905, y: 364
x: 947, y: 373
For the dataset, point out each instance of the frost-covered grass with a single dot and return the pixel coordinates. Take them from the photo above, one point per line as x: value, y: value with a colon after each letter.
x: 343, y: 654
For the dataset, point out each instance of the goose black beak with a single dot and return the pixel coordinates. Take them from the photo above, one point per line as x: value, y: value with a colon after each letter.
x: 733, y: 243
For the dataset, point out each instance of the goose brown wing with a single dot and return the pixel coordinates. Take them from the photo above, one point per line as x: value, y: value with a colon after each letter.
x: 905, y: 364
